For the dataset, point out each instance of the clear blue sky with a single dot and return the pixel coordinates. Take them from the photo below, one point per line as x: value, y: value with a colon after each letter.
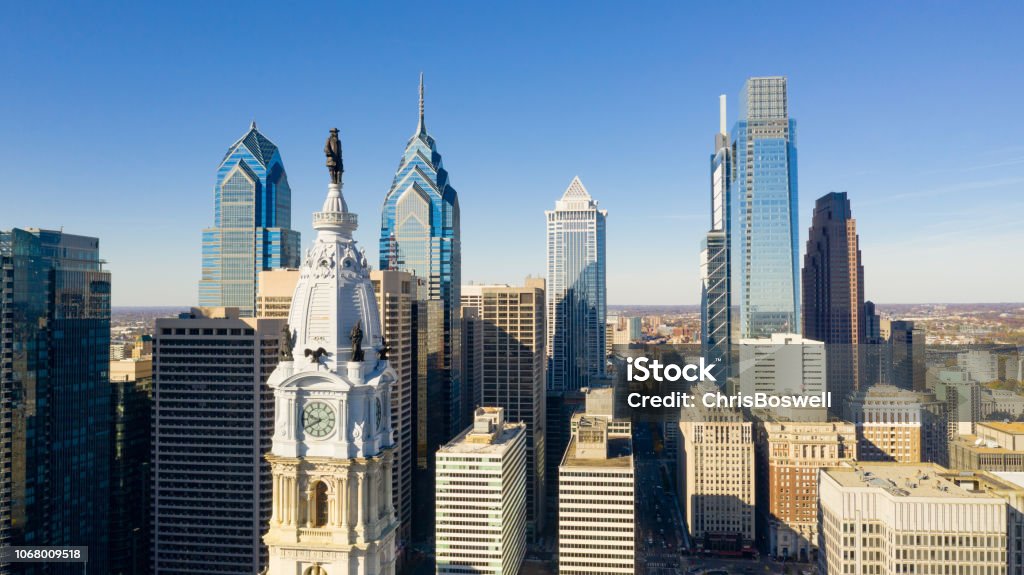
x: 113, y: 119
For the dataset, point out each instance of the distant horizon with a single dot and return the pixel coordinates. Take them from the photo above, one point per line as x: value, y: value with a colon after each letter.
x: 611, y: 305
x: 117, y: 117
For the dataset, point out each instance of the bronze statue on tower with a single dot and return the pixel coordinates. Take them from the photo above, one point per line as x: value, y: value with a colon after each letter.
x: 332, y: 149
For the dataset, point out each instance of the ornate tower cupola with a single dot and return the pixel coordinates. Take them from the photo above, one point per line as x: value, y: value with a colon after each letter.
x: 332, y: 450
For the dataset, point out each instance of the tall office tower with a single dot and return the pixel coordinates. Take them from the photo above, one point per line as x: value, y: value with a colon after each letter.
x: 790, y: 454
x: 274, y: 292
x: 763, y: 231
x: 906, y: 343
x: 716, y: 476
x: 472, y: 357
x: 213, y: 420
x: 783, y: 363
x: 576, y: 297
x: 908, y: 518
x: 481, y: 497
x: 888, y: 421
x: 997, y: 446
x: 875, y: 356
x: 252, y: 218
x: 55, y: 423
x: 716, y: 291
x: 981, y: 365
x: 396, y: 292
x: 833, y: 291
x: 131, y: 382
x: 513, y: 373
x: 597, y: 500
x: 419, y: 233
x: 333, y: 448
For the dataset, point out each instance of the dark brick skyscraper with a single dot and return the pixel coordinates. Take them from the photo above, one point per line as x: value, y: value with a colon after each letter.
x: 833, y: 290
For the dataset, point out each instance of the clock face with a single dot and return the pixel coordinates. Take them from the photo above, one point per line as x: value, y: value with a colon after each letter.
x: 317, y: 419
x: 380, y: 414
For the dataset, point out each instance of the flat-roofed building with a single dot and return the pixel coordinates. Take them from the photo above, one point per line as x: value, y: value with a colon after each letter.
x: 213, y: 421
x: 481, y: 498
x: 597, y: 500
x: 996, y: 446
x: 896, y: 518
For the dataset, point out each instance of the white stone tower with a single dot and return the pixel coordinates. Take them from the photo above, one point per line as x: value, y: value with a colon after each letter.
x: 332, y: 451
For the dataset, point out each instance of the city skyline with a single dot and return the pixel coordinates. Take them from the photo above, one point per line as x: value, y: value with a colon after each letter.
x: 571, y: 113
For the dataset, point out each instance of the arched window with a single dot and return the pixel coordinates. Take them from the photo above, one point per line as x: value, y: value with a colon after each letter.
x: 320, y: 505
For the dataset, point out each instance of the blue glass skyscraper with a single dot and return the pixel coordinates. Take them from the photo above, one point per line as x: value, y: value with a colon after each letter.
x: 419, y: 233
x: 55, y: 420
x: 763, y: 230
x: 716, y: 293
x: 252, y: 224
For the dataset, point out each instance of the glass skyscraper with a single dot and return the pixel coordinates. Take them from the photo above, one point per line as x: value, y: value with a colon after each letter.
x: 419, y: 233
x: 576, y: 295
x: 55, y: 440
x: 763, y: 230
x: 716, y: 296
x: 252, y: 224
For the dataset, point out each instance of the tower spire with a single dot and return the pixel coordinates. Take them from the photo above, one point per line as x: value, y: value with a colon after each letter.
x: 422, y: 127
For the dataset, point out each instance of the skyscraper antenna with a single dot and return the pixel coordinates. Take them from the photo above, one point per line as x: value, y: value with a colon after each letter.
x: 422, y: 127
x: 721, y: 114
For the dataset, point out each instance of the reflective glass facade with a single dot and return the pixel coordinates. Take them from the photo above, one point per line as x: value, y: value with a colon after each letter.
x: 716, y: 294
x: 577, y: 303
x: 763, y: 230
x: 56, y: 417
x: 420, y: 234
x: 252, y: 224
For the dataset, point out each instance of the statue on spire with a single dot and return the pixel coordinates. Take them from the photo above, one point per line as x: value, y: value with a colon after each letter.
x: 332, y: 149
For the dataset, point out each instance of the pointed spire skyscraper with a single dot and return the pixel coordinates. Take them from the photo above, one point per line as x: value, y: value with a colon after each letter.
x: 419, y: 234
x: 576, y: 295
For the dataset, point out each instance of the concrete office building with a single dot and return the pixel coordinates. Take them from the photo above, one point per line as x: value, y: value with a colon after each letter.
x: 597, y: 500
x: 783, y: 363
x: 888, y: 421
x: 981, y: 365
x: 997, y: 446
x: 716, y: 476
x: 512, y: 372
x: 889, y: 519
x: 396, y: 292
x: 213, y: 420
x: 274, y: 292
x: 481, y: 498
x: 791, y: 453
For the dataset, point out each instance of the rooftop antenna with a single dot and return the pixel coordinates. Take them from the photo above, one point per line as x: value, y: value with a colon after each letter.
x: 721, y: 114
